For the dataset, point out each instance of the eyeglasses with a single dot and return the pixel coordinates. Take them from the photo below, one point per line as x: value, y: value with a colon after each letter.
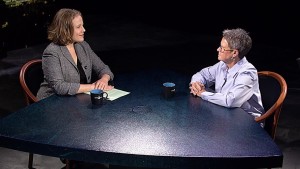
x: 224, y: 50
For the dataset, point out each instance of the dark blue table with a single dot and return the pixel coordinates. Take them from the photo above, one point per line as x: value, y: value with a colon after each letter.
x: 142, y: 129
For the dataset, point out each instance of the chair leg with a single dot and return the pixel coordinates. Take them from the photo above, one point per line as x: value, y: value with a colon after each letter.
x: 68, y: 164
x: 30, y: 160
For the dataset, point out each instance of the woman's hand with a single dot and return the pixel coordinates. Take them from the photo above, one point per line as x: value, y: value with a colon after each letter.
x: 196, y: 88
x: 103, y: 83
x: 106, y: 87
x: 109, y: 87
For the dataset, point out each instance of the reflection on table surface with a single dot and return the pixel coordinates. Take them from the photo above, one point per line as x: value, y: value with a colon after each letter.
x: 142, y: 129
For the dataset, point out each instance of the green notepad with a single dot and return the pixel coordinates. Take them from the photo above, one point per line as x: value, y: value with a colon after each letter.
x: 114, y: 93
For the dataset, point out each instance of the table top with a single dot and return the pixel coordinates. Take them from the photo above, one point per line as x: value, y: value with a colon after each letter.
x: 142, y: 129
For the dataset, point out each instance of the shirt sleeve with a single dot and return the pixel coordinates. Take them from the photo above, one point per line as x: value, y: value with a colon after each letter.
x: 207, y: 75
x: 236, y: 93
x: 98, y: 66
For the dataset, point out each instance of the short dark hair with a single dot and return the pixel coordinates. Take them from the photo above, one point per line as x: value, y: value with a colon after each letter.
x: 61, y: 30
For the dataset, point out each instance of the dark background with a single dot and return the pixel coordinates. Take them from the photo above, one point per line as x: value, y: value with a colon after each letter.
x: 272, y: 25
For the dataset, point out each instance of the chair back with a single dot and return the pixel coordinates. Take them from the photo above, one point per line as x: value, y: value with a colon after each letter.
x: 273, y: 90
x: 31, y: 76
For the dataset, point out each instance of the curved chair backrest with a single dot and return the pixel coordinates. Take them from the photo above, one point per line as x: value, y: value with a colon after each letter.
x: 273, y: 90
x: 31, y: 77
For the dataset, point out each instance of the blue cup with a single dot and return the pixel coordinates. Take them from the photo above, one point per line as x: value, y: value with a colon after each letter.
x: 97, y: 96
x: 168, y: 89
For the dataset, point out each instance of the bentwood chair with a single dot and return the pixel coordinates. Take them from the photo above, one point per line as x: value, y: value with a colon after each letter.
x: 30, y: 77
x: 273, y: 90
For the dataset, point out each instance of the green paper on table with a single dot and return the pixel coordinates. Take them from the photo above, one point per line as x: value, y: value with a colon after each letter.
x: 114, y: 93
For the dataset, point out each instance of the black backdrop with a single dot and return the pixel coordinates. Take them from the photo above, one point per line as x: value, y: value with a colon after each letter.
x: 268, y: 22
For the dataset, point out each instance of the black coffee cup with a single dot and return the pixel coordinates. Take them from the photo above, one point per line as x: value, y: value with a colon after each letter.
x: 168, y: 89
x: 97, y: 96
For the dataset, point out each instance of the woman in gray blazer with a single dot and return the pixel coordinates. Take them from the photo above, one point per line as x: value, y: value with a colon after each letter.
x: 68, y: 61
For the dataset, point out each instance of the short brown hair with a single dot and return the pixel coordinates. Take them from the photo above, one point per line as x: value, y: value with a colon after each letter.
x: 61, y: 29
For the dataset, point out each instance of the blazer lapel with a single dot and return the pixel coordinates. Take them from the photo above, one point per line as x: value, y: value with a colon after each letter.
x: 82, y: 56
x: 67, y: 55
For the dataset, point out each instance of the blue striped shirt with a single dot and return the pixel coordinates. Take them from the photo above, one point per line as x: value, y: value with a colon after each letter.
x: 234, y: 87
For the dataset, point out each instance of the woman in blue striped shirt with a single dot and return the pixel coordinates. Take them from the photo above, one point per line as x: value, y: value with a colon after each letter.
x: 235, y: 79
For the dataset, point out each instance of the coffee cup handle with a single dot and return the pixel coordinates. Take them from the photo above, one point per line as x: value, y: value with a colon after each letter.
x: 104, y: 93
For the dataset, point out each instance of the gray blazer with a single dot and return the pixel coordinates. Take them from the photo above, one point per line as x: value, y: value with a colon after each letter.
x: 61, y: 75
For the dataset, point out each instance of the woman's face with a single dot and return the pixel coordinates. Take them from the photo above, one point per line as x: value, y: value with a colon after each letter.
x: 224, y: 52
x: 78, y: 35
